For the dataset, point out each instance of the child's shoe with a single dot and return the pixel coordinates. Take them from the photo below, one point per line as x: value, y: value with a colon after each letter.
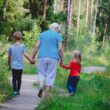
x: 14, y: 93
x: 18, y: 93
x: 71, y: 94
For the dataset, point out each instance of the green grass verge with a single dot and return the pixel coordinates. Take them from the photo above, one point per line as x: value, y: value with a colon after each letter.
x: 93, y: 93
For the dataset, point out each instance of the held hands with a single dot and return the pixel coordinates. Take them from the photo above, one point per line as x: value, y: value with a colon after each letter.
x: 32, y: 61
x: 61, y: 61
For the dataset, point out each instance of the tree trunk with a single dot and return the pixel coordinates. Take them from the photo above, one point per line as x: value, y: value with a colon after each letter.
x: 69, y: 14
x: 78, y: 18
x: 33, y: 5
x: 66, y: 23
x: 44, y: 8
x: 91, y: 12
x: 87, y: 10
x: 94, y: 24
x: 105, y: 30
x: 5, y: 6
x: 55, y: 6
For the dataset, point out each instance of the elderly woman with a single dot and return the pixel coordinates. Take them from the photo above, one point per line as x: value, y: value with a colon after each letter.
x: 49, y: 48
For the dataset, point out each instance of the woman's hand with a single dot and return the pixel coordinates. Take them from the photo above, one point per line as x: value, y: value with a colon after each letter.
x: 60, y: 61
x: 32, y: 61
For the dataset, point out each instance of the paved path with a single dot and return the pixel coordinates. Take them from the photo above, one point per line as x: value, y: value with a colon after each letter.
x: 28, y: 99
x: 92, y: 69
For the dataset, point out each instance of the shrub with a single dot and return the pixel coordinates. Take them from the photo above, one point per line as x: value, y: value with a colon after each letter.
x: 5, y: 88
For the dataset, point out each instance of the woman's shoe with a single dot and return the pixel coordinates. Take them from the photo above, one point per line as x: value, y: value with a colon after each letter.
x: 40, y: 93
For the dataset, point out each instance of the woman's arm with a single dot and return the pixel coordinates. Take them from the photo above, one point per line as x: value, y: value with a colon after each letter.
x: 35, y: 50
x: 60, y: 49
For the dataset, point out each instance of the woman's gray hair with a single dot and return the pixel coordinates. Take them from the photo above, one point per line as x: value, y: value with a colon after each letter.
x: 55, y: 26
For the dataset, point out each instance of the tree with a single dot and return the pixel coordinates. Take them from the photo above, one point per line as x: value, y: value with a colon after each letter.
x: 103, y: 21
x: 91, y: 12
x: 33, y: 7
x: 44, y: 8
x: 95, y: 17
x: 69, y: 14
x: 13, y: 12
x: 78, y: 17
x: 87, y: 10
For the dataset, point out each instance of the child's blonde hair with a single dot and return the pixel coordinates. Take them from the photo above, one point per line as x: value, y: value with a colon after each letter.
x: 76, y: 55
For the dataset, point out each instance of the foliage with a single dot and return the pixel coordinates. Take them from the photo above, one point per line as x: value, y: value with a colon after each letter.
x: 93, y: 52
x: 29, y: 69
x: 31, y: 37
x: 58, y: 17
x: 103, y: 19
x: 5, y: 88
x: 13, y: 11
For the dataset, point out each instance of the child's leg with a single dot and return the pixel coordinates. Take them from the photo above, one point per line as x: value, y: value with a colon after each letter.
x: 74, y: 83
x: 70, y: 89
x: 19, y: 76
x: 69, y: 86
x: 14, y: 78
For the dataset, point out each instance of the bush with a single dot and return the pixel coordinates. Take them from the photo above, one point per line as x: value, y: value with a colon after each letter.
x: 5, y: 88
x: 30, y: 37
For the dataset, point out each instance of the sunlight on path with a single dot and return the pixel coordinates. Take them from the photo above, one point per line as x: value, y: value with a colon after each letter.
x: 28, y: 99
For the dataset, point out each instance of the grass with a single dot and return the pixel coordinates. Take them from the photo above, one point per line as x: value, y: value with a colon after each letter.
x: 29, y: 69
x: 92, y: 93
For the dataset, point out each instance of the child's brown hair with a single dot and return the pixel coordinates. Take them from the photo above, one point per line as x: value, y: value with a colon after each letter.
x: 17, y: 35
x: 76, y: 55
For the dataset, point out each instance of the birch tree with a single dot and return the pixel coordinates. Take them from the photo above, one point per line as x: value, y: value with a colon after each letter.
x: 91, y: 12
x: 69, y: 14
x: 87, y: 10
x: 94, y: 24
x: 78, y: 17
